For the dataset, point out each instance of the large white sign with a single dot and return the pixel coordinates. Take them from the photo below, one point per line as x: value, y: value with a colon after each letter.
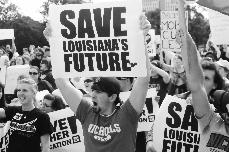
x: 219, y: 24
x: 68, y: 133
x: 6, y: 34
x: 12, y: 74
x: 176, y: 127
x: 101, y: 39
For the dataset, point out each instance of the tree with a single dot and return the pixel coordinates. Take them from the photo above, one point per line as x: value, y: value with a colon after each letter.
x: 8, y: 11
x: 46, y: 4
x: 198, y: 26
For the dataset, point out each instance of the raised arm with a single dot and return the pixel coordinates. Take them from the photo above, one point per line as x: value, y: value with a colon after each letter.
x: 194, y: 73
x: 71, y: 95
x: 161, y: 72
x: 138, y: 94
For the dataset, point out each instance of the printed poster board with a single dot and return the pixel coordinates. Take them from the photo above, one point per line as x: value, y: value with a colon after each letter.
x: 176, y: 127
x: 100, y: 39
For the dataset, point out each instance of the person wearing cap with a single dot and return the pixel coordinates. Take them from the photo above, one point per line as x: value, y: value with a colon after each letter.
x: 106, y: 126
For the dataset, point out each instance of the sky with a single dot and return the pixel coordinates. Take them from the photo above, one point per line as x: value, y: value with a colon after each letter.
x: 32, y: 8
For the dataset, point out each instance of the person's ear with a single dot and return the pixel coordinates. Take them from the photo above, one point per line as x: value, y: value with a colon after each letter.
x: 113, y: 97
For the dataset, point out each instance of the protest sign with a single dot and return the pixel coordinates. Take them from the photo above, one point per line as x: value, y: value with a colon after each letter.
x: 4, y: 135
x: 169, y: 26
x: 68, y: 133
x: 151, y: 42
x: 6, y: 34
x: 101, y: 39
x: 149, y: 111
x: 11, y: 76
x: 219, y: 23
x: 175, y: 127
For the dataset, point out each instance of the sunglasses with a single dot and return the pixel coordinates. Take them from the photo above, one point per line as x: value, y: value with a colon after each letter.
x: 33, y: 73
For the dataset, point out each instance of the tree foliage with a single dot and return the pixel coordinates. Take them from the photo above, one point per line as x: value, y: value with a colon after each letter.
x: 8, y: 11
x: 45, y: 6
x: 198, y: 26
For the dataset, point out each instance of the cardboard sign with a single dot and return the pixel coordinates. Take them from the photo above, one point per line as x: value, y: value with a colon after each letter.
x: 6, y: 34
x: 169, y: 26
x: 175, y: 127
x: 101, y: 39
x: 11, y: 76
x: 149, y: 111
x: 68, y: 132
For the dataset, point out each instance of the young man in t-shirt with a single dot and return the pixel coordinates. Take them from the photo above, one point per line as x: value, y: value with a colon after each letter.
x: 106, y: 126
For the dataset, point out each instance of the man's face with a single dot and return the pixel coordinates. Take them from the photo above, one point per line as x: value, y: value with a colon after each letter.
x: 100, y: 100
x: 8, y: 47
x: 43, y: 67
x: 209, y: 80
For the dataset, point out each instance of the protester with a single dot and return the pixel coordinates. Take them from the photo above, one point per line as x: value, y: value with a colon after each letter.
x: 42, y: 84
x: 210, y: 123
x: 19, y: 60
x: 177, y: 76
x: 30, y: 128
x: 46, y: 72
x: 159, y: 79
x: 104, y: 113
x: 52, y: 103
x: 38, y: 57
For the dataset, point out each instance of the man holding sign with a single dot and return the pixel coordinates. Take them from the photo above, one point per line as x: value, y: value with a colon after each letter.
x: 106, y: 126
x: 214, y: 129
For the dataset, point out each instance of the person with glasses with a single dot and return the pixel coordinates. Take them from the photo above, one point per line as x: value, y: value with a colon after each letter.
x: 30, y: 128
x: 42, y: 84
x: 52, y: 103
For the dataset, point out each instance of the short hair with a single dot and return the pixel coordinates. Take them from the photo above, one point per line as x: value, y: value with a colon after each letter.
x: 57, y: 102
x: 218, y: 79
x: 29, y: 81
x: 22, y: 76
x: 35, y: 67
x: 47, y: 62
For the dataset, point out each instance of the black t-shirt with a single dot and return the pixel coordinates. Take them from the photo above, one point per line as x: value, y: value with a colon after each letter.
x: 161, y: 87
x: 26, y: 128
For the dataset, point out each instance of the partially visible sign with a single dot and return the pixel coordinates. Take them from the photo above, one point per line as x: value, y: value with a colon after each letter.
x: 11, y: 76
x: 100, y: 39
x: 68, y: 133
x: 6, y: 34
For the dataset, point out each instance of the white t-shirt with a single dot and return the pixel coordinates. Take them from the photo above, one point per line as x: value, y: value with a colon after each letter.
x: 214, y: 133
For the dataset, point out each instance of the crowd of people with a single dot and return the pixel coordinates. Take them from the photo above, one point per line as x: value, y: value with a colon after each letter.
x: 98, y: 102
